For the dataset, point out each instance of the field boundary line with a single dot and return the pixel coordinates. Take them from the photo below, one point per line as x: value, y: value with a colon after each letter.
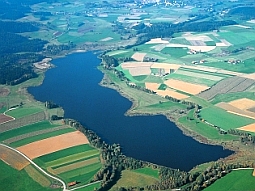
x: 39, y: 168
x: 89, y: 184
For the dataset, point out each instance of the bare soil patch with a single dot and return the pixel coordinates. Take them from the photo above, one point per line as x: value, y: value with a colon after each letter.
x: 172, y: 94
x: 202, y: 48
x: 250, y: 128
x: 53, y: 144
x: 138, y: 56
x: 157, y: 41
x: 12, y: 158
x: 106, y: 39
x: 185, y: 86
x: 243, y: 103
x: 4, y: 92
x: 5, y: 118
x: 139, y: 71
x: 128, y: 65
x: 152, y: 86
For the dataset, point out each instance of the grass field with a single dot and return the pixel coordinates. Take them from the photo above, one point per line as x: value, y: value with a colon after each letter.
x: 14, y: 180
x: 137, y: 179
x: 40, y: 137
x: 237, y: 180
x: 148, y: 171
x: 23, y: 111
x: 223, y: 119
x: 175, y: 52
x: 232, y: 96
x: 27, y: 129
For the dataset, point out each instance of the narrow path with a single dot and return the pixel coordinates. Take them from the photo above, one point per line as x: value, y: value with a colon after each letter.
x: 84, y: 185
x: 39, y: 168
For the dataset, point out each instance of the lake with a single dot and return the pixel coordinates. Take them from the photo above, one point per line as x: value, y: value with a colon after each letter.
x: 74, y: 85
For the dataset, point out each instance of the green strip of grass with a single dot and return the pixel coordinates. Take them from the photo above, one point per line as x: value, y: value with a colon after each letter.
x: 148, y: 171
x: 91, y: 187
x: 235, y: 181
x: 64, y: 153
x: 27, y: 129
x: 223, y: 119
x: 40, y: 137
x: 23, y: 111
x: 15, y: 180
x: 232, y: 96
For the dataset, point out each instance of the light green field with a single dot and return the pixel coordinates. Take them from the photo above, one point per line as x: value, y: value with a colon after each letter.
x: 175, y: 52
x: 14, y: 180
x: 204, y: 129
x: 91, y: 187
x: 223, y: 119
x: 237, y: 180
x: 232, y: 96
x: 27, y: 129
x: 148, y: 171
x: 23, y: 111
x: 137, y: 179
x: 40, y: 137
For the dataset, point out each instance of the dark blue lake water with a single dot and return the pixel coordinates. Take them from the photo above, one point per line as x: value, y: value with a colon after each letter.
x: 73, y: 84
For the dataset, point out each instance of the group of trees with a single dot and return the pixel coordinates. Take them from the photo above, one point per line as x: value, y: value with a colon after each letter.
x: 109, y: 62
x: 245, y: 137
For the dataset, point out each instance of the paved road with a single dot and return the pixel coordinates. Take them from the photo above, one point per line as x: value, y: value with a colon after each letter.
x: 39, y: 168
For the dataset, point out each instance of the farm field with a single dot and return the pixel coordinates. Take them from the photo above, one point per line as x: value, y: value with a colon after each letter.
x: 23, y: 111
x: 235, y: 181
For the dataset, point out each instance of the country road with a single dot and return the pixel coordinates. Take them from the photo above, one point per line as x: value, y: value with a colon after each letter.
x: 39, y: 168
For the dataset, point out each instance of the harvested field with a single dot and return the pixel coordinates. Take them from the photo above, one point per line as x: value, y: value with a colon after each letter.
x: 152, y: 86
x: 185, y: 86
x: 250, y: 127
x: 22, y: 121
x: 35, y: 133
x: 233, y: 84
x: 4, y: 92
x: 139, y: 71
x: 76, y: 165
x: 250, y: 76
x: 172, y: 94
x: 12, y: 158
x: 138, y: 56
x: 106, y: 39
x: 128, y: 65
x: 165, y: 66
x: 203, y: 38
x: 52, y: 144
x: 177, y: 45
x: 243, y: 103
x: 235, y: 110
x: 199, y: 75
x: 197, y: 43
x: 157, y: 41
x: 202, y: 48
x: 5, y: 118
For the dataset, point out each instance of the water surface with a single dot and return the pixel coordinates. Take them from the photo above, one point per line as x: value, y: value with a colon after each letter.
x: 74, y: 84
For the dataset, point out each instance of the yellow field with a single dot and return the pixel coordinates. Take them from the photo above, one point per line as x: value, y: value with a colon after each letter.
x: 52, y: 144
x: 243, y: 103
x: 250, y: 128
x: 185, y: 86
x: 172, y: 94
x: 152, y: 86
x: 138, y: 56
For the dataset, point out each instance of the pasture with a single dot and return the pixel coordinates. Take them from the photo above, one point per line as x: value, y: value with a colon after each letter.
x: 224, y: 119
x: 23, y: 111
x: 235, y: 181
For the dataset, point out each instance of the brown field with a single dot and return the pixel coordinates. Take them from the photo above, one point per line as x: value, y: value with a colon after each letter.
x: 165, y: 66
x: 5, y: 118
x: 138, y: 71
x: 172, y: 94
x: 253, y: 174
x: 231, y: 109
x: 185, y: 86
x: 75, y: 165
x: 202, y: 48
x: 152, y: 86
x: 12, y: 158
x: 250, y: 128
x: 232, y: 84
x: 4, y: 92
x: 250, y: 76
x: 138, y: 56
x: 157, y: 41
x: 128, y: 65
x: 243, y: 103
x: 37, y: 176
x: 53, y: 144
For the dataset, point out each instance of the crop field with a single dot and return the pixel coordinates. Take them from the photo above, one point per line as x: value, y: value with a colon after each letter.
x: 224, y: 119
x: 175, y: 52
x: 17, y: 123
x: 53, y: 144
x: 43, y: 125
x: 235, y: 181
x: 12, y: 158
x: 229, y: 85
x: 23, y: 111
x: 185, y: 86
x: 228, y: 97
x: 148, y: 171
x: 12, y: 179
x: 250, y: 128
x: 37, y: 176
x: 4, y: 118
x: 171, y: 93
x: 132, y: 178
x: 243, y: 103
